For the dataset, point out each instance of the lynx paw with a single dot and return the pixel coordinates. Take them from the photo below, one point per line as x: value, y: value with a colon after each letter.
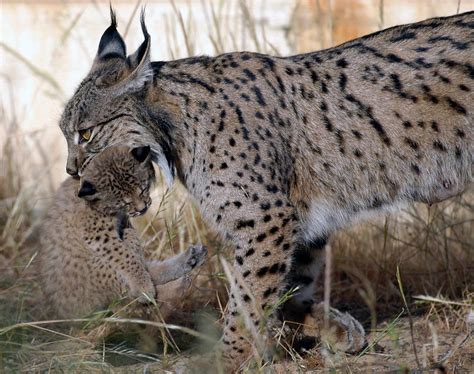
x: 344, y: 332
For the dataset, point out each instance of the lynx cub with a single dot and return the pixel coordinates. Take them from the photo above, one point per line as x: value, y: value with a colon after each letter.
x: 84, y: 264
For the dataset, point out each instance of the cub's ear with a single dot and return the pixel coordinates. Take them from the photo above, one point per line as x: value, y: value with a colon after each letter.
x: 87, y: 189
x: 141, y: 153
x: 111, y: 44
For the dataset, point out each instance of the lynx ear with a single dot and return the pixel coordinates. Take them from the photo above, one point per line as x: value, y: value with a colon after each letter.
x: 140, y: 153
x: 121, y: 74
x: 111, y: 44
x: 139, y: 63
x: 87, y: 189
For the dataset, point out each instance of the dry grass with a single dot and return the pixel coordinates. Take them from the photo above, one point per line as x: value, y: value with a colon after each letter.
x: 379, y: 270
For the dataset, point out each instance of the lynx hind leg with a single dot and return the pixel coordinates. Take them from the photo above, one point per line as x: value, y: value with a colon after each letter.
x: 175, y: 267
x: 307, y: 263
x: 345, y: 333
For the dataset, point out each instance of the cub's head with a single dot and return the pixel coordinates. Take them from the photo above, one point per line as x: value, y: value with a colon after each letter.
x: 113, y: 105
x: 117, y: 181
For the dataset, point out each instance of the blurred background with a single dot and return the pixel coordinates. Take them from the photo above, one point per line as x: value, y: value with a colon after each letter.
x: 47, y: 47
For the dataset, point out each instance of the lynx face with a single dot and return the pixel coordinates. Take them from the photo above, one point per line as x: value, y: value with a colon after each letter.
x: 118, y: 180
x: 106, y: 108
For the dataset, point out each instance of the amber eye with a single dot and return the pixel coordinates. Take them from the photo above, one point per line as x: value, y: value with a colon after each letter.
x: 85, y: 135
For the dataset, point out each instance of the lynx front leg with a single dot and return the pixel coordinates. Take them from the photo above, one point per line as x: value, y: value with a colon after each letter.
x: 262, y: 260
x: 129, y: 265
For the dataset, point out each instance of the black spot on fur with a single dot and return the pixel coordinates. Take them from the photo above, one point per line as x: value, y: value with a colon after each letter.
x: 407, y: 35
x: 342, y: 81
x: 259, y: 96
x: 249, y: 74
x: 414, y: 145
x: 439, y: 146
x: 416, y: 169
x: 328, y: 124
x: 397, y: 84
x: 261, y: 237
x: 434, y: 126
x: 267, y: 292
x: 456, y: 106
x: 262, y: 271
x: 392, y: 58
x: 342, y: 63
x: 250, y: 252
x: 279, y: 240
x: 245, y: 223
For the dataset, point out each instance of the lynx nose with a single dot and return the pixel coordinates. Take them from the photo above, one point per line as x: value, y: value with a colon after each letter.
x: 71, y: 165
x: 72, y: 171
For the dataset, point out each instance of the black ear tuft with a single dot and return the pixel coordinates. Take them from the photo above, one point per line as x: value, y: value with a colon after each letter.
x: 141, y: 153
x: 87, y: 189
x: 142, y: 52
x: 146, y: 35
x: 111, y: 43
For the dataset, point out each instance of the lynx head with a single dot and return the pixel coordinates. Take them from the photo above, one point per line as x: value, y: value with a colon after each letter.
x: 118, y: 180
x: 109, y: 106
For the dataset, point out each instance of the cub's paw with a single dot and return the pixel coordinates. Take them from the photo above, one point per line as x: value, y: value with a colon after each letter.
x: 344, y: 332
x: 195, y: 256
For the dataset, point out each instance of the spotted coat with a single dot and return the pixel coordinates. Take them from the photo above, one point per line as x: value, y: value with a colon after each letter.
x: 278, y: 153
x: 86, y: 260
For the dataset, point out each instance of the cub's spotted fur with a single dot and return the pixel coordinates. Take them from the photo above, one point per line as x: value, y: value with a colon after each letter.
x: 84, y: 264
x: 280, y: 152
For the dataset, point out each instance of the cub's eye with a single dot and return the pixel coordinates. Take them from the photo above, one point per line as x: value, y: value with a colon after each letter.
x: 85, y: 135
